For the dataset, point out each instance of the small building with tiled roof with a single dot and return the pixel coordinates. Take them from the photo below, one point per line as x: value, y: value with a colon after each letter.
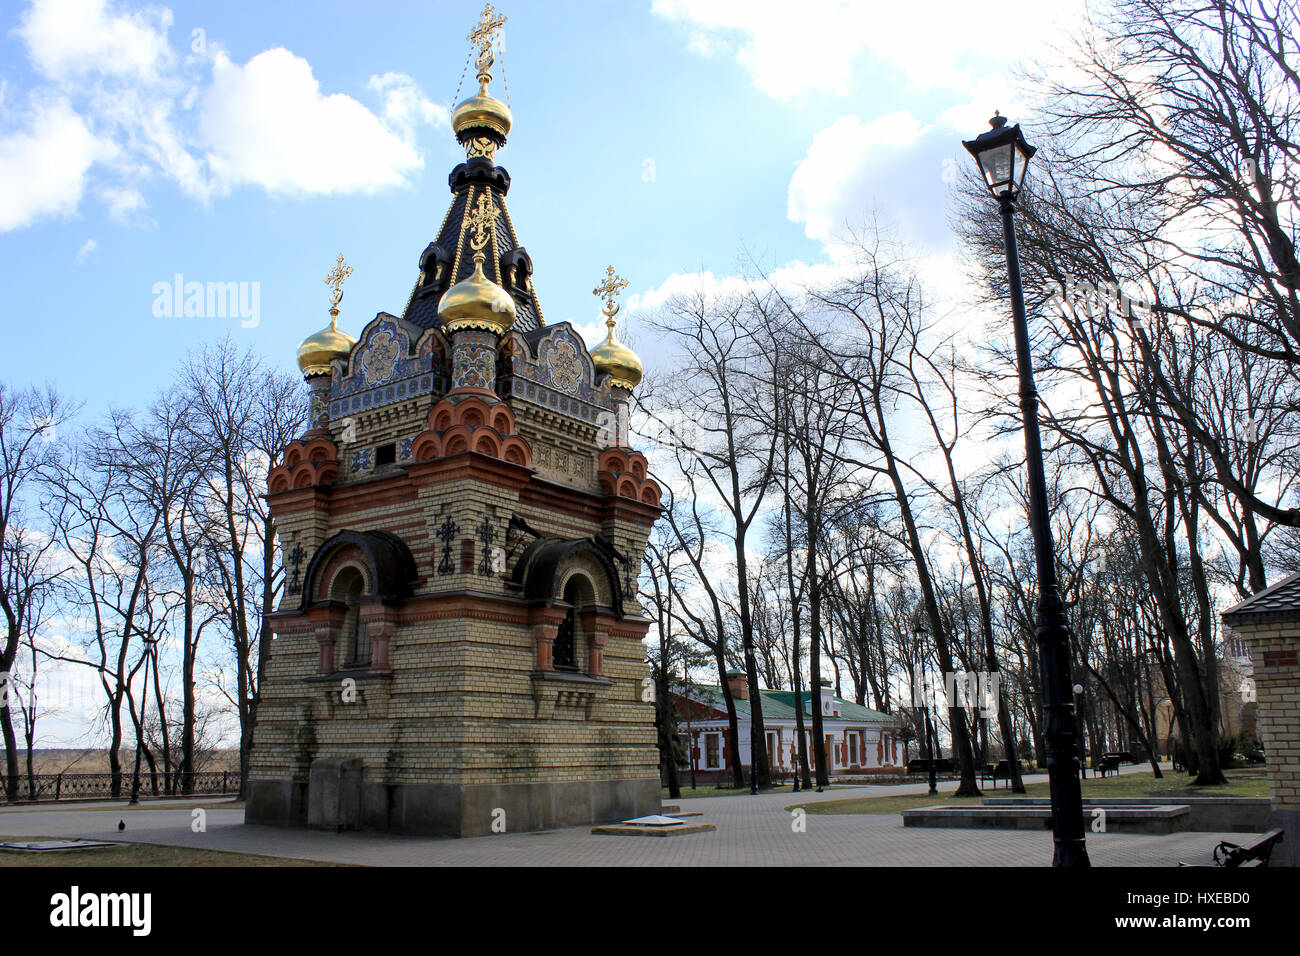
x: 858, y: 740
x: 1269, y: 623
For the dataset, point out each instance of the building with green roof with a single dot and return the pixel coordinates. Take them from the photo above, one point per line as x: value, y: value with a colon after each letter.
x: 859, y: 740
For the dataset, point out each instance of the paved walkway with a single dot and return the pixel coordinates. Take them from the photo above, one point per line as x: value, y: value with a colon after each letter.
x: 752, y: 831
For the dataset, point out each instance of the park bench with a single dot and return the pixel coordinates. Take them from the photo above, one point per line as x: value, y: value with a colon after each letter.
x: 1122, y: 755
x: 1107, y: 763
x: 1255, y: 853
x: 921, y: 766
x: 996, y: 772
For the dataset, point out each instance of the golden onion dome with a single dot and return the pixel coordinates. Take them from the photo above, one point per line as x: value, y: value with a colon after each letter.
x: 477, y: 303
x: 319, y: 350
x: 482, y: 112
x: 614, y: 358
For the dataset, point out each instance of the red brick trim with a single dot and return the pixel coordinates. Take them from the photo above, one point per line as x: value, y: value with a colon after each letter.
x: 1280, y: 659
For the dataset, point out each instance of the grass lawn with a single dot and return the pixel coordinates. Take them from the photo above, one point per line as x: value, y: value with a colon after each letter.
x: 710, y: 791
x: 142, y: 854
x: 1251, y: 782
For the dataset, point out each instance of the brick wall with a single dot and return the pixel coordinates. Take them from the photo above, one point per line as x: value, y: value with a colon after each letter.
x: 1275, y: 654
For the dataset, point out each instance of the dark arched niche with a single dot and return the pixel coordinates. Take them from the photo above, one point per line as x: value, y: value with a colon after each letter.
x: 386, y: 563
x: 547, y: 564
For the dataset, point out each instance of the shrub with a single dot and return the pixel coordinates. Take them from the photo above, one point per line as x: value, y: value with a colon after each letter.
x: 1229, y: 744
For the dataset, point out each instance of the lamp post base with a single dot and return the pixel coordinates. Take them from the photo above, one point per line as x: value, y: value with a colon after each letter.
x: 1073, y: 853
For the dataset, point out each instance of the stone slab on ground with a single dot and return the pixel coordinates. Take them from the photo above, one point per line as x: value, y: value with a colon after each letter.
x: 1161, y: 819
x: 53, y: 846
x: 651, y: 830
x: 1209, y: 814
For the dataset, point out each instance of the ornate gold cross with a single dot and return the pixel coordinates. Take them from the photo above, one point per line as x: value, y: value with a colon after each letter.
x: 335, y: 279
x: 486, y: 30
x: 482, y: 37
x: 481, y: 220
x: 612, y: 286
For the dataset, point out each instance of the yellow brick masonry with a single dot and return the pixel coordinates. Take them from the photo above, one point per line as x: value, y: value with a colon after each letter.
x: 459, y: 704
x: 1273, y: 650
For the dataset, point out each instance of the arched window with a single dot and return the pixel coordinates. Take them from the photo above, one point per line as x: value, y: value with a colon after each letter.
x: 570, y: 642
x: 355, y: 641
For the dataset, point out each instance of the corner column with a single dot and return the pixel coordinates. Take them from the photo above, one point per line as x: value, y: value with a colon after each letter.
x: 546, y: 624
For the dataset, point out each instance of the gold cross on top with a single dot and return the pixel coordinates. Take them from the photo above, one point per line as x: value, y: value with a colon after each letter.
x: 612, y: 286
x: 486, y: 30
x: 335, y: 279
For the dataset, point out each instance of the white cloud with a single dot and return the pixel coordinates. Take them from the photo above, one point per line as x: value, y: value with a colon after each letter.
x: 44, y: 166
x: 406, y: 106
x: 87, y: 247
x: 121, y: 107
x: 835, y: 182
x: 993, y: 92
x: 69, y: 38
x: 122, y: 201
x: 814, y: 47
x: 268, y: 124
x: 593, y: 333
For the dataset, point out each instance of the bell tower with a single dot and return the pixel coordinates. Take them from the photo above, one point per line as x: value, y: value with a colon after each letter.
x: 458, y: 648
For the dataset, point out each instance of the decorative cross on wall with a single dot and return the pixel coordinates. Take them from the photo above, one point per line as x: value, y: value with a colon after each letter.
x: 486, y: 534
x: 631, y: 571
x: 295, y: 559
x: 446, y: 532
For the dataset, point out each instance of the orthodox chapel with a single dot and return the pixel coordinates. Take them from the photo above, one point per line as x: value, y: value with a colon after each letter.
x: 458, y: 648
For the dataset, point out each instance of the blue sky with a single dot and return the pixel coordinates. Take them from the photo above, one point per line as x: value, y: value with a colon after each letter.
x: 254, y: 142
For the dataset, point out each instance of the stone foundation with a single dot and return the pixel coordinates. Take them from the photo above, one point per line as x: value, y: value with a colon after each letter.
x: 443, y: 809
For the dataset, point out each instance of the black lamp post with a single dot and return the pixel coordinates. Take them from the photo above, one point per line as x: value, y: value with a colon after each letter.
x: 1002, y: 155
x: 929, y: 749
x: 1078, y: 709
x: 920, y: 633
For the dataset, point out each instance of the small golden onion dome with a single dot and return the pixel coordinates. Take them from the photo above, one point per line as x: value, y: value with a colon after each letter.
x: 620, y: 362
x: 319, y: 350
x: 477, y: 303
x: 482, y: 111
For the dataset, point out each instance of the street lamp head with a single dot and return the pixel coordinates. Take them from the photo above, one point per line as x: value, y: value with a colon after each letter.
x: 1002, y: 155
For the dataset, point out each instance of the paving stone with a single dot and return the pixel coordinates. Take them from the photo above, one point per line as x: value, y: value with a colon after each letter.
x: 751, y: 831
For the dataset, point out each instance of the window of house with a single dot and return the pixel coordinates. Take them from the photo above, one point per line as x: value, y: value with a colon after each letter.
x: 386, y: 454
x: 711, y: 747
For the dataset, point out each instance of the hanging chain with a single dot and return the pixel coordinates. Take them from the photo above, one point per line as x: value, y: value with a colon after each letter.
x: 461, y: 82
x: 505, y: 81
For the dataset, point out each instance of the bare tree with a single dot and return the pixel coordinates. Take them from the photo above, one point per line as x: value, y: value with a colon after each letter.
x: 29, y: 423
x: 726, y: 453
x: 244, y: 414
